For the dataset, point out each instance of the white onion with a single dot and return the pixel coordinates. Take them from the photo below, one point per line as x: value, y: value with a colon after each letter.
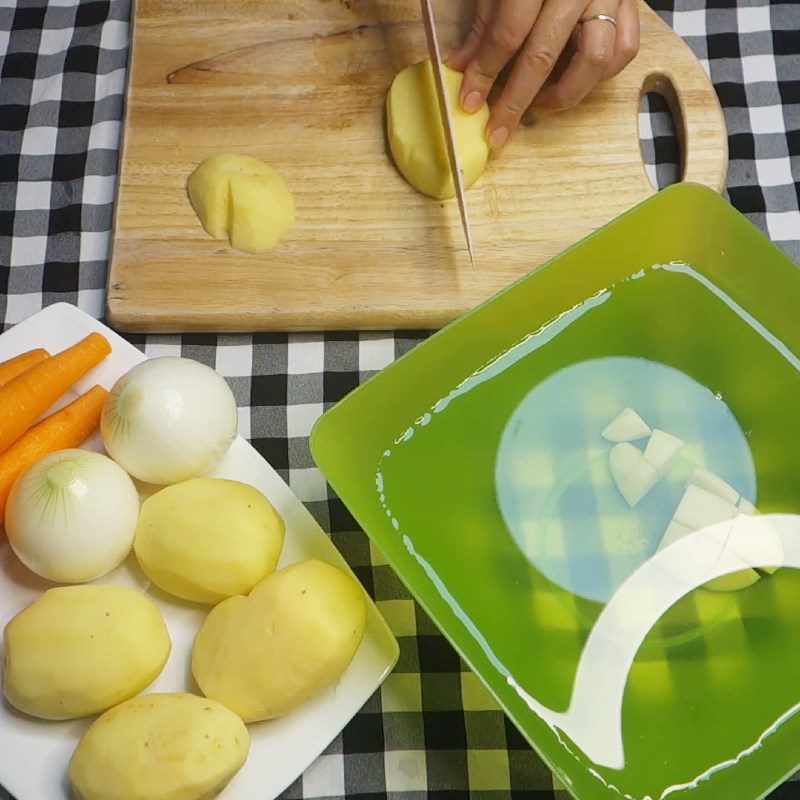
x: 72, y: 516
x: 169, y: 419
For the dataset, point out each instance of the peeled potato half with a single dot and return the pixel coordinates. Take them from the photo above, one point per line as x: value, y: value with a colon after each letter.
x: 241, y: 199
x: 416, y: 133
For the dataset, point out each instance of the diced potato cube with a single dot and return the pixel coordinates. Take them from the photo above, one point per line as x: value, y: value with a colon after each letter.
x: 628, y: 426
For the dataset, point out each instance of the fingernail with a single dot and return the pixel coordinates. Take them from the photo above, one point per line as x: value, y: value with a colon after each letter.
x: 472, y: 102
x: 498, y: 137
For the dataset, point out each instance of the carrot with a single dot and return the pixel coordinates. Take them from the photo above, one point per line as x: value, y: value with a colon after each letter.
x: 24, y: 399
x: 17, y: 365
x: 67, y: 428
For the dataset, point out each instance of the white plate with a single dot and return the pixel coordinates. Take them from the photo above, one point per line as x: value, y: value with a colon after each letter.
x: 34, y: 754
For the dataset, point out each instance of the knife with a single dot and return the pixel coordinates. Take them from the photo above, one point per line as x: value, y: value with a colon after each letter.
x: 447, y: 124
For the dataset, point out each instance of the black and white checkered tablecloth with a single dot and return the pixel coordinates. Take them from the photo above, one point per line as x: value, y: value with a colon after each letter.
x: 431, y: 731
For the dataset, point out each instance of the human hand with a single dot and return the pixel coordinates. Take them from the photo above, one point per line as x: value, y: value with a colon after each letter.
x: 536, y: 32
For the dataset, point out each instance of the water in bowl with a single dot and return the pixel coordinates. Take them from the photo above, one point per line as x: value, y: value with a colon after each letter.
x: 509, y: 469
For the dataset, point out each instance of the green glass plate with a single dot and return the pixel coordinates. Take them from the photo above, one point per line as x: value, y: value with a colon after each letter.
x: 476, y: 464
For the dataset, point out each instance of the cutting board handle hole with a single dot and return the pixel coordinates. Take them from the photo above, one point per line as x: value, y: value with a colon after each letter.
x: 663, y: 152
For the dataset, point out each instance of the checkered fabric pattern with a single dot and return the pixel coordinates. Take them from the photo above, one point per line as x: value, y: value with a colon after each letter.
x: 431, y: 731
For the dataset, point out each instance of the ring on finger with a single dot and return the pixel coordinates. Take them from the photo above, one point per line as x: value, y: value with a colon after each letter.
x: 602, y: 17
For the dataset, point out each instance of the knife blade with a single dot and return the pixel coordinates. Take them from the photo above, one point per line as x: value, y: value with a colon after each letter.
x: 447, y: 123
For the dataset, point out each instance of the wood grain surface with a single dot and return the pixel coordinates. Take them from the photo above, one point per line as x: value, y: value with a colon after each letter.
x: 301, y: 84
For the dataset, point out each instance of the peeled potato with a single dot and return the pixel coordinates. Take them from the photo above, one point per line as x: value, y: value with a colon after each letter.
x: 265, y: 654
x: 78, y: 650
x: 207, y: 539
x: 416, y: 133
x: 159, y: 747
x: 242, y: 199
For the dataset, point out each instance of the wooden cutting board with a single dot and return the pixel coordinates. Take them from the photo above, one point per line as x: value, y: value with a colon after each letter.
x: 301, y: 84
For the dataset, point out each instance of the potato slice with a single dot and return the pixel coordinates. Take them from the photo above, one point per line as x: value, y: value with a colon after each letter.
x: 159, y: 747
x: 416, y: 133
x: 265, y: 654
x: 633, y: 476
x: 627, y: 426
x: 207, y: 539
x: 674, y: 533
x: 662, y: 449
x: 699, y: 509
x: 78, y: 650
x: 746, y: 507
x: 704, y: 479
x: 241, y: 198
